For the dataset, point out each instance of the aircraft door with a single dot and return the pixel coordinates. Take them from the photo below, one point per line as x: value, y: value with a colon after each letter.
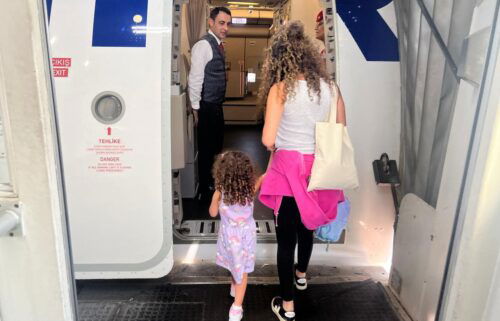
x: 111, y: 64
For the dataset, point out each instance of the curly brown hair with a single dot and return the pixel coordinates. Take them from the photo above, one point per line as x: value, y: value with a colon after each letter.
x: 290, y: 54
x: 234, y: 177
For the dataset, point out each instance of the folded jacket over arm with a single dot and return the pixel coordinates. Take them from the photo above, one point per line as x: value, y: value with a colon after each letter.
x: 288, y: 176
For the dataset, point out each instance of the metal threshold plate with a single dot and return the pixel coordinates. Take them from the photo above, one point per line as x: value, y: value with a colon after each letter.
x: 209, y: 229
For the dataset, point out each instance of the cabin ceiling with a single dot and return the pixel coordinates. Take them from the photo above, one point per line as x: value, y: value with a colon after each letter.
x: 245, y: 3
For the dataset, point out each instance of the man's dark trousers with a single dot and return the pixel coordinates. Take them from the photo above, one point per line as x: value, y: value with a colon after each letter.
x: 210, y: 141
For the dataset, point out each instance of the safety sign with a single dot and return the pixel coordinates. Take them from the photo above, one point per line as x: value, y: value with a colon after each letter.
x: 110, y: 154
x: 61, y: 66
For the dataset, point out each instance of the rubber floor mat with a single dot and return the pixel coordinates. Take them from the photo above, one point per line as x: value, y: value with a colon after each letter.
x: 97, y: 311
x: 157, y: 311
x: 115, y: 301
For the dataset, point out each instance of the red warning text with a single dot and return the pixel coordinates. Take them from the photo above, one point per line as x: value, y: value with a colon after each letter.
x: 111, y: 156
x: 61, y: 62
x: 60, y: 72
x: 109, y: 140
x: 110, y: 159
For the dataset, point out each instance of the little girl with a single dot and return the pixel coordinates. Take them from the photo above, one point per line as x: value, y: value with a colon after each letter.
x: 235, y: 188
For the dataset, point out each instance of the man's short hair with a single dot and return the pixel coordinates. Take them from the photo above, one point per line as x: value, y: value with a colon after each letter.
x: 215, y: 12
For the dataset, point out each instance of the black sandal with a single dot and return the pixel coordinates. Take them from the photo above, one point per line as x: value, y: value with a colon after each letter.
x: 300, y: 283
x: 279, y: 311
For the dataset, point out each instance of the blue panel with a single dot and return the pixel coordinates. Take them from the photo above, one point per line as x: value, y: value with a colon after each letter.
x: 49, y: 8
x: 113, y: 22
x: 372, y: 34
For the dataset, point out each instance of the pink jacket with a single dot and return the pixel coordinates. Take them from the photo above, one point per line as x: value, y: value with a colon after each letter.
x: 288, y: 176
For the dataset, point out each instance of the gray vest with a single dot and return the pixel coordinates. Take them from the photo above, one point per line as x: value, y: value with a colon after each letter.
x: 214, y: 82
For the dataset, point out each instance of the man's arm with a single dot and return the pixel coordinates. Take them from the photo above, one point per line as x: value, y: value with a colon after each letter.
x: 201, y: 54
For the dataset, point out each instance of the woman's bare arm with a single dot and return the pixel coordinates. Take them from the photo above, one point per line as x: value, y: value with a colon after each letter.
x: 274, y: 110
x: 270, y: 160
x: 341, y: 119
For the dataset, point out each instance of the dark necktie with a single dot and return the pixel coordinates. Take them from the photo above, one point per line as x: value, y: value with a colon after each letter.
x: 221, y: 48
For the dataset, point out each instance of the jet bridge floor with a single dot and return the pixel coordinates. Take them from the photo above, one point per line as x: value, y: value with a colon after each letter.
x: 361, y: 298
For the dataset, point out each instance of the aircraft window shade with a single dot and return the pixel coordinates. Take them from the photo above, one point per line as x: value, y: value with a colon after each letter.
x: 120, y: 23
x: 108, y: 108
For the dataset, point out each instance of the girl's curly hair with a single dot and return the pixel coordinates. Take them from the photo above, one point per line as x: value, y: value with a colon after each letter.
x: 290, y: 54
x: 234, y: 177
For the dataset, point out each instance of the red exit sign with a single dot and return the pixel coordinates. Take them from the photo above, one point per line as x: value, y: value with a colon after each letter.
x: 60, y: 72
x: 61, y: 66
x: 61, y: 62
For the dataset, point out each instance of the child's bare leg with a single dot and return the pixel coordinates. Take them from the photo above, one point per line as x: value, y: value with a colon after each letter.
x: 240, y: 290
x: 233, y: 288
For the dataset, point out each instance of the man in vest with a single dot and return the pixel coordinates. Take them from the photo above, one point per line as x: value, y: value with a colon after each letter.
x: 207, y: 90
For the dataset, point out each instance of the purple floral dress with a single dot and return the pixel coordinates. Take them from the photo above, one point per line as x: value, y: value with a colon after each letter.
x: 237, y: 239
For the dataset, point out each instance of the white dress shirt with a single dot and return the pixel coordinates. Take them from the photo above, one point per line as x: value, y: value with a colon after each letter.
x: 201, y: 54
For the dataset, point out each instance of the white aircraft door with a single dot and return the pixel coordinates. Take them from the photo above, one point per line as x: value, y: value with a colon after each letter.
x: 36, y: 282
x: 112, y: 67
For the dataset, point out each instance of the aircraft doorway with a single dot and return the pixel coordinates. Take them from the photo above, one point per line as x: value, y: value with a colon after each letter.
x: 245, y: 50
x: 153, y: 179
x: 154, y: 175
x: 197, y: 223
x: 243, y: 118
x: 114, y: 230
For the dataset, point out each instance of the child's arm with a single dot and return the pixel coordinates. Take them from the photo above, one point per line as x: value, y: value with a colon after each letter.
x: 214, y: 206
x: 259, y: 182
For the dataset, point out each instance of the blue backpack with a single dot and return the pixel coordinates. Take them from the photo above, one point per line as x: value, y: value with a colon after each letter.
x: 332, y: 231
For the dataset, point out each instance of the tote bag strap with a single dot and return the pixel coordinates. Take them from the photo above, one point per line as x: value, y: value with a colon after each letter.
x: 333, y: 107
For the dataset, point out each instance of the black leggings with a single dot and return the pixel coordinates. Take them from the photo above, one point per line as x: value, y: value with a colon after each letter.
x: 289, y: 229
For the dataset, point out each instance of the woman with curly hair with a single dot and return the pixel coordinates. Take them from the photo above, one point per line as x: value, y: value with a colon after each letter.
x: 235, y: 188
x: 299, y: 93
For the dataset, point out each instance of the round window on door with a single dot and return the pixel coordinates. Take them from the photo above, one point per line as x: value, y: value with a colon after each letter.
x: 108, y: 107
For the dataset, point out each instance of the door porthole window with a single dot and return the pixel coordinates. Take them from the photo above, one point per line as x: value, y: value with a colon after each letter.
x: 108, y: 107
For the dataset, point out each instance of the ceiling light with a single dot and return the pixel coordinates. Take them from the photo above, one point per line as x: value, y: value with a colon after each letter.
x: 244, y: 3
x: 239, y: 21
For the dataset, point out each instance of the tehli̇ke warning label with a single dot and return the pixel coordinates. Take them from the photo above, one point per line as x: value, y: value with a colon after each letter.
x: 109, y: 153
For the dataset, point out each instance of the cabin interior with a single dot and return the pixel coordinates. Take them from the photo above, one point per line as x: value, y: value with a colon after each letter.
x: 253, y: 23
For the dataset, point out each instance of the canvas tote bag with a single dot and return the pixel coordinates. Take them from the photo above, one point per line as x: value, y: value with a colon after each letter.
x: 333, y: 166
